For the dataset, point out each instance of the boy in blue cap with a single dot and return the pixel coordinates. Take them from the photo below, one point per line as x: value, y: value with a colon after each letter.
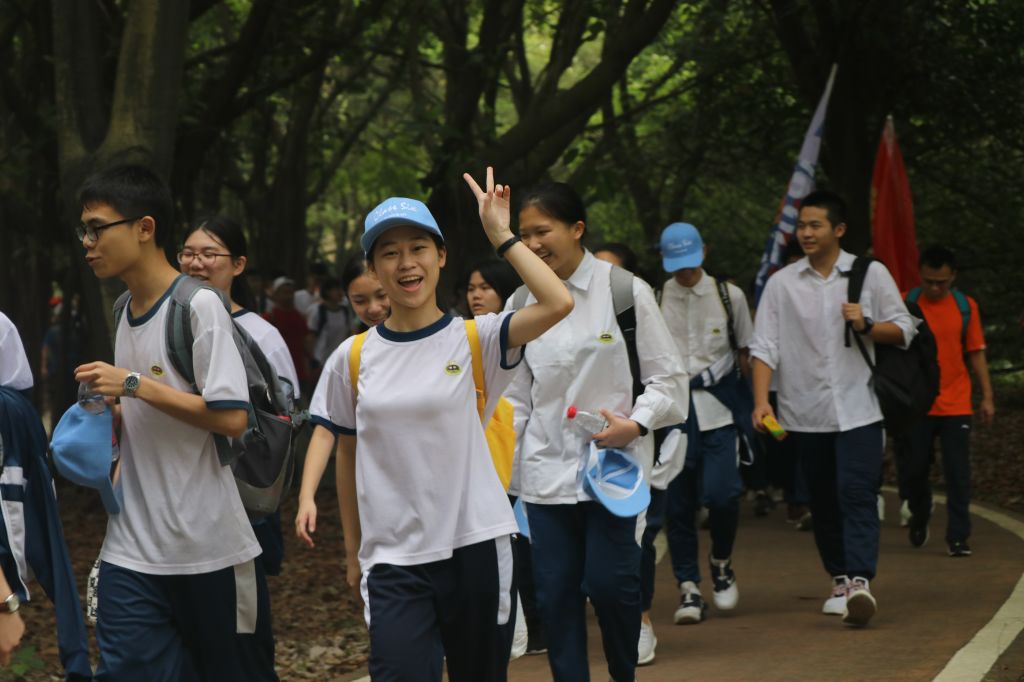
x: 712, y: 341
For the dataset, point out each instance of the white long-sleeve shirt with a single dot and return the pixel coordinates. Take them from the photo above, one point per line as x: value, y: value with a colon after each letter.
x: 697, y: 320
x: 14, y: 369
x: 823, y: 386
x: 582, y: 361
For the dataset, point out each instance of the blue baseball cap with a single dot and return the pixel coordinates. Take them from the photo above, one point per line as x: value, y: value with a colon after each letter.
x: 397, y: 211
x: 615, y: 479
x: 82, y: 452
x: 681, y: 247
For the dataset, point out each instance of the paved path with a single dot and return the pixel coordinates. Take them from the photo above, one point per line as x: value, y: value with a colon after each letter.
x: 930, y: 607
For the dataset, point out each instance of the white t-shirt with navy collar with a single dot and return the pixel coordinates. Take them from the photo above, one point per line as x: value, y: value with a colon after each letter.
x: 182, y: 513
x: 270, y: 341
x: 425, y: 481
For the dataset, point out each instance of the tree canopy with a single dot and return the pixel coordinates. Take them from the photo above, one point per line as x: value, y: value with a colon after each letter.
x: 298, y: 117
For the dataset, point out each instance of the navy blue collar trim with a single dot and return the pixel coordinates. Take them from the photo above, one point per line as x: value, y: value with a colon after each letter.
x: 239, y: 313
x: 148, y: 315
x: 416, y: 335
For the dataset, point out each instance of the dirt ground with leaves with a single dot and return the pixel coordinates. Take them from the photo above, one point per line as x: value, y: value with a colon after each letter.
x: 318, y: 625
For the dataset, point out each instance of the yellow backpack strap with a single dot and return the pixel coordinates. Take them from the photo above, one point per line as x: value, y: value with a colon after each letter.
x: 478, y: 367
x: 354, y: 351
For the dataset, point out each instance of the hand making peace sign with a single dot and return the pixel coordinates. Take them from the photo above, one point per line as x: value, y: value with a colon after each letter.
x: 495, y: 207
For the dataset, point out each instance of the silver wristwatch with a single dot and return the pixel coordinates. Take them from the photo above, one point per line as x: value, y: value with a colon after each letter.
x: 131, y: 383
x: 11, y: 604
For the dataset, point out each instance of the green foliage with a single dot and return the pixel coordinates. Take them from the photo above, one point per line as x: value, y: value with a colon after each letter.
x: 24, y: 662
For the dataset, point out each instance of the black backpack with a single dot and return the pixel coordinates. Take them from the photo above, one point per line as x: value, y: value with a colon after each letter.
x: 905, y: 381
x: 262, y: 460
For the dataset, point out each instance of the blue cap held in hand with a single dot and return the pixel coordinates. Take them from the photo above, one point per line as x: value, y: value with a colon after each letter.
x: 82, y: 452
x: 615, y: 479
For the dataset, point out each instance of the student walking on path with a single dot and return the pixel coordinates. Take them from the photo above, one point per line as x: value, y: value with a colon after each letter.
x: 713, y: 344
x: 422, y: 503
x: 580, y: 548
x: 180, y: 593
x: 954, y: 320
x: 825, y: 395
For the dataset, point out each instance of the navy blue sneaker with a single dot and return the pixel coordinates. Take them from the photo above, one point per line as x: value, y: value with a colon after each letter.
x: 959, y: 548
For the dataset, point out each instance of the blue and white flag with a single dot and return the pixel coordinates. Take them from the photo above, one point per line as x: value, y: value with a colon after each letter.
x: 800, y: 185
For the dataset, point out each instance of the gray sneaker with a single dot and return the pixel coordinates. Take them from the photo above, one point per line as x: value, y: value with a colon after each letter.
x: 691, y: 608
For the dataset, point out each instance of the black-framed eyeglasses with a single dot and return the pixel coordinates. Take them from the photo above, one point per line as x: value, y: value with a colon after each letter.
x: 205, y: 257
x: 93, y: 231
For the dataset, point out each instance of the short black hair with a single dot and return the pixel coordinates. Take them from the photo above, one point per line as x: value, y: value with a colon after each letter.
x: 792, y: 250
x: 499, y: 275
x: 834, y: 205
x: 936, y: 256
x: 556, y: 199
x: 330, y: 283
x: 625, y: 254
x: 132, y: 190
x: 354, y: 268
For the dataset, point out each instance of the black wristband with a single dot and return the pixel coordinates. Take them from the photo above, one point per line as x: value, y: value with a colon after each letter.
x: 506, y: 246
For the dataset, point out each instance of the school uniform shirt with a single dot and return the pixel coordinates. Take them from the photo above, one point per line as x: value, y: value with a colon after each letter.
x: 271, y: 343
x: 182, y: 513
x: 331, y: 328
x: 946, y: 322
x: 425, y: 481
x: 583, y: 361
x: 823, y: 386
x: 14, y: 368
x: 696, y: 318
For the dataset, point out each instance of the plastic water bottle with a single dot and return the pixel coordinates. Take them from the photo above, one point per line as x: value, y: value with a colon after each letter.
x: 587, y: 423
x: 91, y: 401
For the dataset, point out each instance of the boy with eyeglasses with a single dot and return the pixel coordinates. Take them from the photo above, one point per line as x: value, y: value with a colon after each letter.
x: 179, y: 593
x: 954, y: 320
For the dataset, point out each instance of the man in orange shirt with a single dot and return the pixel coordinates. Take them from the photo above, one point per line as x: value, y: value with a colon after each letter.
x: 954, y: 320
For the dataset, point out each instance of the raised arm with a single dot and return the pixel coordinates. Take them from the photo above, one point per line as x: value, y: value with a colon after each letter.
x: 554, y: 301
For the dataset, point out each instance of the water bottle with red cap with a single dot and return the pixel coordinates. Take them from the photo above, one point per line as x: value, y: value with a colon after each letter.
x: 586, y: 423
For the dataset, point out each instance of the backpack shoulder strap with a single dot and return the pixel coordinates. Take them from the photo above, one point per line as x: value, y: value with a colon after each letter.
x: 913, y: 295
x: 119, y: 305
x: 964, y: 306
x: 519, y: 297
x: 855, y: 285
x: 621, y: 283
x: 723, y: 295
x: 354, y: 353
x: 478, y: 367
x: 179, y: 334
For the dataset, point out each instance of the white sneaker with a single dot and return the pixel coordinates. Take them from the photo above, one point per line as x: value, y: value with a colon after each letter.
x: 691, y: 605
x: 860, y: 604
x: 881, y: 507
x: 904, y: 514
x: 726, y: 594
x: 648, y: 641
x: 520, y: 636
x: 835, y: 605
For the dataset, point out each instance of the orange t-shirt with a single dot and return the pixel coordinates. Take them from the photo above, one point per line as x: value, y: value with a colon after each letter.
x: 946, y: 323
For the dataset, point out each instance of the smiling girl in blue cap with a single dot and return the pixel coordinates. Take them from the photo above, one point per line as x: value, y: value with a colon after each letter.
x: 420, y: 498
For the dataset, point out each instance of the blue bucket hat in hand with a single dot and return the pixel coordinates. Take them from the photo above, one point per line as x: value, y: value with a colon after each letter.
x: 397, y: 211
x: 82, y: 452
x: 615, y: 479
x: 681, y: 247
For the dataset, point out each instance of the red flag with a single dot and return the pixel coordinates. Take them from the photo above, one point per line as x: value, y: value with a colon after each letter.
x: 892, y: 212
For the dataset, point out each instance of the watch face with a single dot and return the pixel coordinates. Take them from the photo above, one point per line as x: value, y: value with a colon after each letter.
x: 12, y: 603
x: 131, y: 383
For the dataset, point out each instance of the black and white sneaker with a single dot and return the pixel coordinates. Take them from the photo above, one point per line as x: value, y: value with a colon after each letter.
x: 959, y: 548
x: 691, y: 609
x: 726, y: 594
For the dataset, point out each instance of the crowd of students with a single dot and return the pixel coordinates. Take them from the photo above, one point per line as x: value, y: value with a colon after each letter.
x: 499, y: 471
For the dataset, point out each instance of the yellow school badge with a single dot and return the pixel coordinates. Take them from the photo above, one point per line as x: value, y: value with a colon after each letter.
x: 452, y: 369
x: 605, y: 337
x: 716, y: 331
x: 156, y: 370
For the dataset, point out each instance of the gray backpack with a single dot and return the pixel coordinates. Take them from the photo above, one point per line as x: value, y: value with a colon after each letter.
x: 262, y: 460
